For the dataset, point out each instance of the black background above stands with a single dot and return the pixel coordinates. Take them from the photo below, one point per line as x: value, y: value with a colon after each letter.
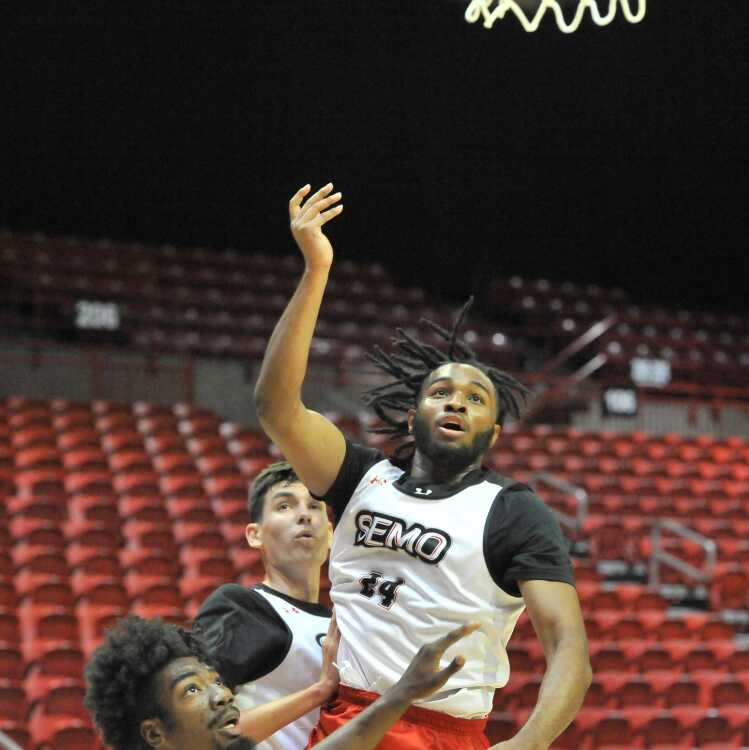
x: 616, y: 155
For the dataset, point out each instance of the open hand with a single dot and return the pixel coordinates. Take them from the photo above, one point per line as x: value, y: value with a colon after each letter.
x: 423, y: 676
x: 307, y: 220
x: 329, y: 672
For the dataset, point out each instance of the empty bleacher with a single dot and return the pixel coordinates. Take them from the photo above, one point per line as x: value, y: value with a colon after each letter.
x: 111, y: 508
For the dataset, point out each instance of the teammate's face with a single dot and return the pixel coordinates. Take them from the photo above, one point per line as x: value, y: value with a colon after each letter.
x: 200, y: 710
x: 294, y: 529
x: 455, y: 423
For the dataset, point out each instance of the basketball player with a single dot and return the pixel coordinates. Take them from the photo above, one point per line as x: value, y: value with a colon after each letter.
x: 151, y: 685
x: 428, y: 538
x: 267, y: 639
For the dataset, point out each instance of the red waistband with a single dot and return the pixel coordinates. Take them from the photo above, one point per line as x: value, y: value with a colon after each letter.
x: 418, y: 715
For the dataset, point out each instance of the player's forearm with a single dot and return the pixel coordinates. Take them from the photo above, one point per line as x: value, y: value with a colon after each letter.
x: 567, y: 678
x: 366, y: 730
x: 262, y: 721
x: 279, y: 385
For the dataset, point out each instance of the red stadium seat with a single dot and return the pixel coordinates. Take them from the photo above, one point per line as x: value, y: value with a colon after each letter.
x: 137, y: 483
x: 48, y: 623
x: 88, y: 482
x: 125, y: 461
x: 16, y: 730
x: 93, y: 620
x: 38, y: 457
x: 48, y: 481
x: 8, y: 595
x: 216, y: 566
x: 612, y: 731
x: 217, y: 465
x: 663, y: 732
x: 636, y: 692
x: 94, y: 508
x: 149, y: 561
x: 183, y: 484
x: 714, y: 729
x: 43, y: 588
x: 146, y: 508
x: 11, y: 660
x: 191, y: 510
x: 164, y: 444
x: 9, y: 627
x: 13, y: 703
x: 124, y: 440
x: 85, y: 459
x: 199, y: 535
x: 178, y: 461
x: 77, y: 438
x: 62, y: 733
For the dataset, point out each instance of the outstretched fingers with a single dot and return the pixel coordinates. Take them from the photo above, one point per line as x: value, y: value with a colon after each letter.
x: 312, y: 209
x: 455, y: 635
x: 295, y: 202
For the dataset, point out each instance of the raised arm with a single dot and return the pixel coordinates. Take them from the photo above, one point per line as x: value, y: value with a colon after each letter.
x: 313, y: 445
x: 554, y: 610
x: 422, y: 678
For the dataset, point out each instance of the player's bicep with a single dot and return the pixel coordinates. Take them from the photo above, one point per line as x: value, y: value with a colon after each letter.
x: 312, y: 444
x: 554, y: 609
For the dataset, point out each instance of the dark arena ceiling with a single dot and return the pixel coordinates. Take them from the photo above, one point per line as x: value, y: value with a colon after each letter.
x: 616, y: 154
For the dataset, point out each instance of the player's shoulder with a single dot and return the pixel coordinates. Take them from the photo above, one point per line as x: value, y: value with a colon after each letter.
x: 230, y: 596
x: 515, y: 497
x: 507, y: 486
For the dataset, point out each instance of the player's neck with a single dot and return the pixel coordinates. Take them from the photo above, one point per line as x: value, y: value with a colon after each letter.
x: 305, y: 588
x: 430, y: 472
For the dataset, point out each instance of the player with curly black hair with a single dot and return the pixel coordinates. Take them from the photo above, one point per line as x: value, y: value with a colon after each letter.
x: 151, y: 685
x: 429, y: 536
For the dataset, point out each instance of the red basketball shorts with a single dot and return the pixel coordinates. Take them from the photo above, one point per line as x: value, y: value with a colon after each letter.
x: 418, y: 728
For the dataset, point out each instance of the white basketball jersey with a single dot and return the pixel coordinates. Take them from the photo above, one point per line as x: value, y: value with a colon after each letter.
x: 406, y: 570
x: 299, y: 669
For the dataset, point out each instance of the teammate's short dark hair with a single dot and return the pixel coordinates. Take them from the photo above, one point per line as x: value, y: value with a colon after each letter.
x: 413, y: 362
x: 121, y: 685
x: 279, y: 472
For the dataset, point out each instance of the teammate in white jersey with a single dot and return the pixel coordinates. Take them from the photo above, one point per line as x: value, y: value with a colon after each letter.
x: 429, y: 538
x: 267, y: 640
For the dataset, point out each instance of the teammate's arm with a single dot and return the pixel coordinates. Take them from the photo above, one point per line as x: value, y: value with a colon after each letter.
x: 421, y: 679
x: 262, y: 721
x: 313, y: 445
x: 554, y: 610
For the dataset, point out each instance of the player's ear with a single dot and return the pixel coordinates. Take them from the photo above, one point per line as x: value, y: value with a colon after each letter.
x: 410, y: 417
x: 254, y: 535
x: 497, y: 431
x: 152, y: 732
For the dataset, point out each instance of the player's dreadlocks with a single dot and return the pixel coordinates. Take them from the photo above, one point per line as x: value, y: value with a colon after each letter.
x: 411, y: 364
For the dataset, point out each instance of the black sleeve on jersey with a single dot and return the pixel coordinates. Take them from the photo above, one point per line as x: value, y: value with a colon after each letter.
x: 243, y: 633
x: 523, y: 541
x: 358, y: 460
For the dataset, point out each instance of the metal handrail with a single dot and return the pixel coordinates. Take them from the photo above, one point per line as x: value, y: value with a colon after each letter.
x: 7, y: 743
x: 574, y: 522
x: 584, y: 339
x: 659, y: 556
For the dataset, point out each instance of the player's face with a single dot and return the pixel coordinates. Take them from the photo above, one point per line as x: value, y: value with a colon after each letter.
x: 200, y: 710
x: 294, y: 529
x: 455, y: 422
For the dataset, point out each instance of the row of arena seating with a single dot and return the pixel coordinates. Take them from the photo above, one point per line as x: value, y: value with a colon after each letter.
x: 224, y: 303
x: 110, y: 508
